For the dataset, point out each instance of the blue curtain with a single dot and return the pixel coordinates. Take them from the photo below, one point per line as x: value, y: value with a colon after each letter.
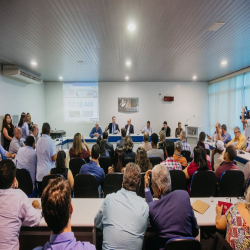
x: 226, y: 99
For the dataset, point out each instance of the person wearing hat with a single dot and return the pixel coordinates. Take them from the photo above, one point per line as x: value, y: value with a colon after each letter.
x: 228, y: 163
x: 220, y: 149
x: 177, y: 154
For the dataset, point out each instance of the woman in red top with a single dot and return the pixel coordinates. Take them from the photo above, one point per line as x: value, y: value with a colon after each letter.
x: 77, y: 150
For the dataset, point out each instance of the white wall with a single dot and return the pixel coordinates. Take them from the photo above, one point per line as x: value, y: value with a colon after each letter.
x: 190, y: 98
x: 17, y: 97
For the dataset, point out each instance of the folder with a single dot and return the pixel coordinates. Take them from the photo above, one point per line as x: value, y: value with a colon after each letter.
x: 200, y: 206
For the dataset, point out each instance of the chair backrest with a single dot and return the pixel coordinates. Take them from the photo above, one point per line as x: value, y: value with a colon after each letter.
x: 231, y: 183
x: 141, y: 191
x: 85, y: 186
x: 112, y: 183
x: 178, y: 180
x: 187, y: 243
x: 220, y: 243
x: 128, y: 160
x: 203, y: 184
x: 75, y: 165
x: 47, y: 178
x: 105, y: 162
x: 186, y: 154
x: 24, y: 180
x: 155, y: 160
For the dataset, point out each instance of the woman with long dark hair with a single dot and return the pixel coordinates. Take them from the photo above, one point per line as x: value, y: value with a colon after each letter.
x: 8, y: 131
x: 62, y: 169
x: 118, y: 158
x: 142, y: 160
x: 23, y: 126
x: 103, y: 151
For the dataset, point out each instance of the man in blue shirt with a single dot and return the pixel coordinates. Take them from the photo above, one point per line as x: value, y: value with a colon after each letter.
x: 57, y: 210
x: 5, y: 154
x: 93, y: 166
x: 96, y: 131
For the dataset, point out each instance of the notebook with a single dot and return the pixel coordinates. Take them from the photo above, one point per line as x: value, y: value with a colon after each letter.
x: 200, y: 206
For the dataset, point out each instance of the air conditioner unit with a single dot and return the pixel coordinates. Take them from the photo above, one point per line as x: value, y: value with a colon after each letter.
x: 17, y: 73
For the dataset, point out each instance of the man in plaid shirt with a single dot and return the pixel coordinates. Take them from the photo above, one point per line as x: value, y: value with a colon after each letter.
x: 170, y: 162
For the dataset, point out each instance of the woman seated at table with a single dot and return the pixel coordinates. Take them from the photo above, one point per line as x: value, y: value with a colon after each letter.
x: 128, y: 147
x: 162, y: 143
x: 8, y: 131
x: 118, y: 159
x: 237, y: 223
x: 103, y: 151
x: 178, y: 130
x: 142, y: 160
x: 62, y: 169
x: 77, y: 150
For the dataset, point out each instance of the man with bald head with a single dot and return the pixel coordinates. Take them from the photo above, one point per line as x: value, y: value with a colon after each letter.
x: 214, y: 137
x: 129, y: 127
x: 16, y: 143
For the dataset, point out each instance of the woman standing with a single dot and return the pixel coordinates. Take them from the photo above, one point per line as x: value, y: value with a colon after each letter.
x: 29, y: 122
x: 23, y: 126
x: 8, y: 131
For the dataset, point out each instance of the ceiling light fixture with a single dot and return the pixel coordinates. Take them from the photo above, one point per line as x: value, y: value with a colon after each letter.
x: 224, y: 62
x: 33, y: 63
x: 131, y: 27
x: 215, y: 26
x: 194, y: 77
x: 127, y: 78
x: 60, y: 78
x: 128, y: 63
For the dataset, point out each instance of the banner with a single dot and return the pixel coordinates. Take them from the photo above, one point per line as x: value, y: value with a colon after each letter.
x: 128, y: 104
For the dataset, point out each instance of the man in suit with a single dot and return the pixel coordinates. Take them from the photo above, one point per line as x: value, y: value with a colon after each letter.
x: 108, y: 145
x: 166, y: 128
x: 129, y: 127
x: 113, y: 127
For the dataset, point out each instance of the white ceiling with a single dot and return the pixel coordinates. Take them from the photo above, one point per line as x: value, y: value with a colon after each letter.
x: 171, y: 41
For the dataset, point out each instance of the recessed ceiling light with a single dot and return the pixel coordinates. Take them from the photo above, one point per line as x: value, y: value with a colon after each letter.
x: 215, y: 26
x: 194, y: 77
x: 60, y: 78
x: 131, y: 27
x: 80, y: 61
x: 33, y: 63
x: 127, y: 78
x: 128, y: 63
x: 224, y: 62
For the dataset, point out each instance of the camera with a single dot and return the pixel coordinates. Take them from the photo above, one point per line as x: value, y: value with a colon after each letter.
x: 246, y: 114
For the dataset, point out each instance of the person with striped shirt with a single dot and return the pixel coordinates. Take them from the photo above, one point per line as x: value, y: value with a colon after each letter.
x: 177, y: 154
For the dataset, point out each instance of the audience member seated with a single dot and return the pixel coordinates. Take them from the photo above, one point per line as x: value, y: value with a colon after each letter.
x: 109, y: 146
x: 113, y: 127
x: 8, y: 131
x: 103, y: 151
x: 96, y: 131
x: 121, y: 142
x: 46, y: 155
x: 15, y: 207
x: 204, y: 147
x: 35, y: 132
x: 214, y: 137
x: 57, y: 211
x: 155, y: 152
x: 6, y: 154
x: 146, y: 145
x: 147, y: 129
x: 62, y: 169
x: 178, y: 130
x: 26, y: 158
x: 16, y: 142
x: 171, y: 215
x: 236, y: 223
x: 177, y: 154
x: 123, y: 216
x: 220, y: 149
x: 142, y: 160
x: 170, y: 162
x: 23, y: 126
x: 228, y: 163
x: 128, y: 147
x: 185, y: 145
x: 166, y: 129
x: 28, y: 121
x: 162, y: 143
x: 118, y: 165
x: 77, y: 150
x: 93, y: 166
x: 239, y: 141
x: 129, y: 127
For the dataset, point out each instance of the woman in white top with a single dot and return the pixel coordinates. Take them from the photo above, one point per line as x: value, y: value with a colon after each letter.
x: 23, y: 126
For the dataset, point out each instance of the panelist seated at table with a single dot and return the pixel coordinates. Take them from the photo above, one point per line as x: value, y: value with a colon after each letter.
x: 147, y: 129
x: 239, y: 141
x: 166, y: 129
x: 123, y: 216
x: 214, y: 136
x: 113, y: 127
x: 171, y: 215
x: 178, y: 130
x: 15, y: 208
x: 96, y: 131
x: 57, y: 211
x: 236, y: 223
x: 129, y: 127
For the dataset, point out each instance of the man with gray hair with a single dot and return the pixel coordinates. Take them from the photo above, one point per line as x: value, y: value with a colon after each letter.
x: 16, y: 142
x: 177, y: 154
x: 239, y: 141
x: 171, y: 216
x: 214, y: 136
x: 185, y: 145
x: 96, y: 131
x: 123, y: 216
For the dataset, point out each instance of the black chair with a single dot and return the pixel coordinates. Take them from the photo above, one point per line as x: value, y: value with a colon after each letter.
x: 186, y: 154
x: 155, y: 160
x: 220, y: 243
x: 24, y: 180
x: 75, y: 165
x: 141, y: 191
x: 85, y: 186
x: 187, y: 243
x: 203, y: 184
x: 231, y: 184
x: 112, y: 183
x: 178, y: 180
x: 128, y: 160
x: 105, y: 162
x: 47, y: 178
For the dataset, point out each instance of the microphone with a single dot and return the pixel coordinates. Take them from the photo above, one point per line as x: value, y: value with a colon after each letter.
x: 188, y: 120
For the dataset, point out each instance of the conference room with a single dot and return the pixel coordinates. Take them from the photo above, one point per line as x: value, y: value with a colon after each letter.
x: 125, y: 124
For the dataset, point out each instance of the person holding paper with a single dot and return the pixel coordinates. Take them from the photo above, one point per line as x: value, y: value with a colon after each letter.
x: 113, y: 127
x: 214, y: 137
x: 239, y: 141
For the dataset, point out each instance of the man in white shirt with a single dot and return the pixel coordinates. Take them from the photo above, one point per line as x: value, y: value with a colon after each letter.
x: 221, y: 150
x: 214, y: 137
x: 147, y: 129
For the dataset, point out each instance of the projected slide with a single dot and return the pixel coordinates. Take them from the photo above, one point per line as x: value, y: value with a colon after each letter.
x: 80, y: 102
